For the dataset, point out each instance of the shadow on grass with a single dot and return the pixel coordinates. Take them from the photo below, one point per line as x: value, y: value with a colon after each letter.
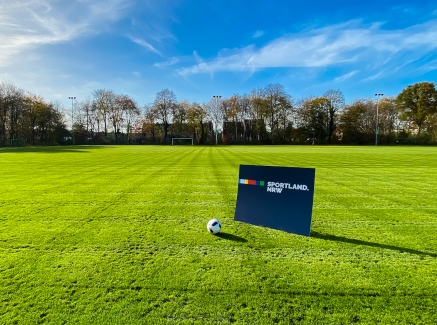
x: 227, y: 236
x: 52, y: 149
x: 367, y: 243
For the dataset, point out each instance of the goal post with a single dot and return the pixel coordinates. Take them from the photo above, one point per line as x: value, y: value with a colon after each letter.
x: 182, y: 141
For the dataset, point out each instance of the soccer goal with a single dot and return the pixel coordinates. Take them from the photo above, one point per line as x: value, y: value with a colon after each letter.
x: 404, y: 141
x: 18, y: 142
x: 182, y: 141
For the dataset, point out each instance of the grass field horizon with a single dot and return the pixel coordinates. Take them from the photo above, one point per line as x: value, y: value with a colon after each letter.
x: 117, y: 235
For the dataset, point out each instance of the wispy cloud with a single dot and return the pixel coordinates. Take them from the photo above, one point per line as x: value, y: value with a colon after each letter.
x: 346, y: 76
x: 28, y: 23
x: 166, y: 63
x: 258, y: 33
x: 405, y: 8
x: 378, y: 75
x: 349, y: 43
x: 144, y: 44
x: 198, y: 58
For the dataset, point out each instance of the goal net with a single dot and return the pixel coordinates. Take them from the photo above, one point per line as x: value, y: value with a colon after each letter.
x: 18, y: 142
x: 182, y: 141
x: 404, y: 141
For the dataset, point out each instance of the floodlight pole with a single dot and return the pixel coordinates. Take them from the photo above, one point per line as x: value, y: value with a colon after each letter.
x: 377, y: 121
x: 72, y: 116
x: 216, y: 103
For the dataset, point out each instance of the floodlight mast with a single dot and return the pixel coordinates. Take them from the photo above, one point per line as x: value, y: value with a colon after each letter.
x: 377, y: 121
x: 217, y: 99
x: 72, y: 116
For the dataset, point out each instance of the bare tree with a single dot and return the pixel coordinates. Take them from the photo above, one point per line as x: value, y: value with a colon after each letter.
x: 130, y: 113
x: 233, y: 112
x: 164, y: 104
x: 196, y: 116
x: 83, y: 114
x: 336, y: 104
x: 13, y: 109
x: 275, y: 104
x: 116, y: 115
x: 149, y: 122
x: 388, y: 116
x: 104, y: 104
x: 256, y: 122
x: 244, y: 114
x: 180, y: 117
x: 214, y: 111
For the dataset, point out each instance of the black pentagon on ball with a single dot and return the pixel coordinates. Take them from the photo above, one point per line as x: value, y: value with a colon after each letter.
x: 214, y: 223
x: 211, y: 231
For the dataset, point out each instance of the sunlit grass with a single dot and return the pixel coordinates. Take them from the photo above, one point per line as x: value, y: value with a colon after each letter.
x: 117, y: 235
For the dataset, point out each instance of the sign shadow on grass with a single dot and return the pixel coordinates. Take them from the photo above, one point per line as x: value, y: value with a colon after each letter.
x: 316, y: 234
x: 227, y: 236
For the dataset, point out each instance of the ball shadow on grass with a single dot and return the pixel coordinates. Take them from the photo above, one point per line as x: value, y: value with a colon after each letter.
x: 224, y: 235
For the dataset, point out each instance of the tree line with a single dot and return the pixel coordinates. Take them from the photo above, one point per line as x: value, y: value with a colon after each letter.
x: 266, y: 115
x: 28, y: 118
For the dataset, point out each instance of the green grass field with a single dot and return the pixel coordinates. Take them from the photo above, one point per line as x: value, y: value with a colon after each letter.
x: 117, y: 235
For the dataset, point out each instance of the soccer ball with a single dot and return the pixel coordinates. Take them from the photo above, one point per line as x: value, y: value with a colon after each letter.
x: 214, y: 226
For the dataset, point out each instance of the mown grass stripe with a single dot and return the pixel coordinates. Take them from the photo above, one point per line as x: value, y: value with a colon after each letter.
x: 117, y: 235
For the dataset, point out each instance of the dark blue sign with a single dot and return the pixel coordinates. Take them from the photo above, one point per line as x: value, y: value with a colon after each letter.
x: 276, y: 197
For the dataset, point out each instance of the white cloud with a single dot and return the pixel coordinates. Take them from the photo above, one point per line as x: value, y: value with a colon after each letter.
x: 344, y: 44
x: 144, y: 44
x: 378, y: 75
x: 258, y: 33
x: 346, y: 76
x: 166, y: 63
x: 28, y: 23
x: 405, y: 9
x: 198, y: 58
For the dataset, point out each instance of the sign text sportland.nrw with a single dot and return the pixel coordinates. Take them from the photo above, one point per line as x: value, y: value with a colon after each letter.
x: 278, y: 187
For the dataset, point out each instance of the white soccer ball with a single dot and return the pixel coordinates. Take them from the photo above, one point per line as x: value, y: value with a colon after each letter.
x: 214, y: 226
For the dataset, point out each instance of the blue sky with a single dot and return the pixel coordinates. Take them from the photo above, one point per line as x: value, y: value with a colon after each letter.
x: 203, y: 48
